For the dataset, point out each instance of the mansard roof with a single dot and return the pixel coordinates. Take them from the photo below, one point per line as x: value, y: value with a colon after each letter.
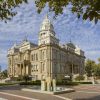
x: 26, y: 42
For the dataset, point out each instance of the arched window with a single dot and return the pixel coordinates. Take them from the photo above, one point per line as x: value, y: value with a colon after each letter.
x: 43, y: 66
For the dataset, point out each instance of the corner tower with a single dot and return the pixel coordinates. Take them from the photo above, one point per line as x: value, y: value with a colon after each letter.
x: 47, y: 33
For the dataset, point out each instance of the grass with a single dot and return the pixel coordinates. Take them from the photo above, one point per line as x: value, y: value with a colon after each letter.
x: 7, y: 84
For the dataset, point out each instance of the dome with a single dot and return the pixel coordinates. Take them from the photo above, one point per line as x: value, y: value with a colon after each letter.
x: 77, y: 47
x: 70, y: 44
x: 46, y: 20
x: 46, y: 25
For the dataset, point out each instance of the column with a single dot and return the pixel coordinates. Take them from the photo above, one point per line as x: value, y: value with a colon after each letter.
x: 72, y: 71
x: 49, y: 87
x: 43, y: 85
x: 51, y: 63
x: 72, y: 68
x: 54, y: 84
x: 20, y: 70
x: 24, y: 71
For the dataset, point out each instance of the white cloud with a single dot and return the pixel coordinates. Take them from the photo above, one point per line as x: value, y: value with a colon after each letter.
x: 67, y: 26
x: 3, y: 55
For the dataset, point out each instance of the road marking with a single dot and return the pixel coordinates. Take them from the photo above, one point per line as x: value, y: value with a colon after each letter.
x: 18, y: 96
x: 88, y: 92
x: 62, y: 97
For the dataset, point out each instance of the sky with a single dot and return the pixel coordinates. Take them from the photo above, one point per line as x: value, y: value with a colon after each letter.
x: 67, y: 26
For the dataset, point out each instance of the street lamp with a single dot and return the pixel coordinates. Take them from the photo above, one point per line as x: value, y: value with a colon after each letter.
x: 93, y: 80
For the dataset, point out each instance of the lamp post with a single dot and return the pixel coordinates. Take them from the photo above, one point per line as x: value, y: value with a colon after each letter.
x: 67, y: 77
x: 93, y: 80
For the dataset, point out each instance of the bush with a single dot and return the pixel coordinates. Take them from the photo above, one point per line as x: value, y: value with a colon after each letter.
x: 72, y: 83
x: 26, y: 83
x: 84, y: 82
x: 61, y: 82
x: 37, y: 82
x: 6, y: 84
x: 79, y: 78
x: 69, y: 83
x: 26, y: 78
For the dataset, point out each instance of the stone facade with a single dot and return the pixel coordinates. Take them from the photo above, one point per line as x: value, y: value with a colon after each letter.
x: 48, y: 59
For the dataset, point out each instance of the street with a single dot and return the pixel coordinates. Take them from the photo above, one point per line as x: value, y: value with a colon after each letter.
x: 83, y: 92
x: 15, y: 93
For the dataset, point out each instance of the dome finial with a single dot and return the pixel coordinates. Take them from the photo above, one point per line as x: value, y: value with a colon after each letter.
x: 14, y: 45
x: 25, y: 39
x: 70, y: 40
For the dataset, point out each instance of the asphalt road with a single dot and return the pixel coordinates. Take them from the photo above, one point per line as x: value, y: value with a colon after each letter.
x: 15, y: 93
x: 83, y: 92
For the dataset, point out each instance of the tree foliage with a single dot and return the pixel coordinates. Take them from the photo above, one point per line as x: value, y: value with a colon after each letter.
x: 97, y: 71
x: 88, y: 9
x: 3, y: 74
x: 6, y: 8
x: 85, y: 8
x: 92, y: 68
x: 89, y: 67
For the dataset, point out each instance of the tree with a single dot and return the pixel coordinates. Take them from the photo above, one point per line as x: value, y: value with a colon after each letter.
x: 99, y: 60
x: 4, y: 74
x: 88, y: 9
x: 6, y: 7
x: 97, y: 71
x: 89, y: 67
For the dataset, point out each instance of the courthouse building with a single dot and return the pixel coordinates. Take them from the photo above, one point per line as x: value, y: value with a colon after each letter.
x: 47, y: 58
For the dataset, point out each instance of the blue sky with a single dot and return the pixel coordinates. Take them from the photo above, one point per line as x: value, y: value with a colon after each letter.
x: 27, y: 22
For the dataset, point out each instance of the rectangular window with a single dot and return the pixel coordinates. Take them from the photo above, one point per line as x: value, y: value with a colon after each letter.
x: 43, y: 54
x: 36, y: 77
x: 36, y: 56
x: 43, y: 66
x: 32, y: 57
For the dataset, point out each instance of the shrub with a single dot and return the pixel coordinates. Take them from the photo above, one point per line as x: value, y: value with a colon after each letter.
x: 37, y: 82
x: 26, y: 83
x: 61, y: 82
x: 79, y: 78
x: 72, y: 83
x: 85, y: 82
x: 26, y: 78
x: 6, y: 84
x: 19, y: 78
